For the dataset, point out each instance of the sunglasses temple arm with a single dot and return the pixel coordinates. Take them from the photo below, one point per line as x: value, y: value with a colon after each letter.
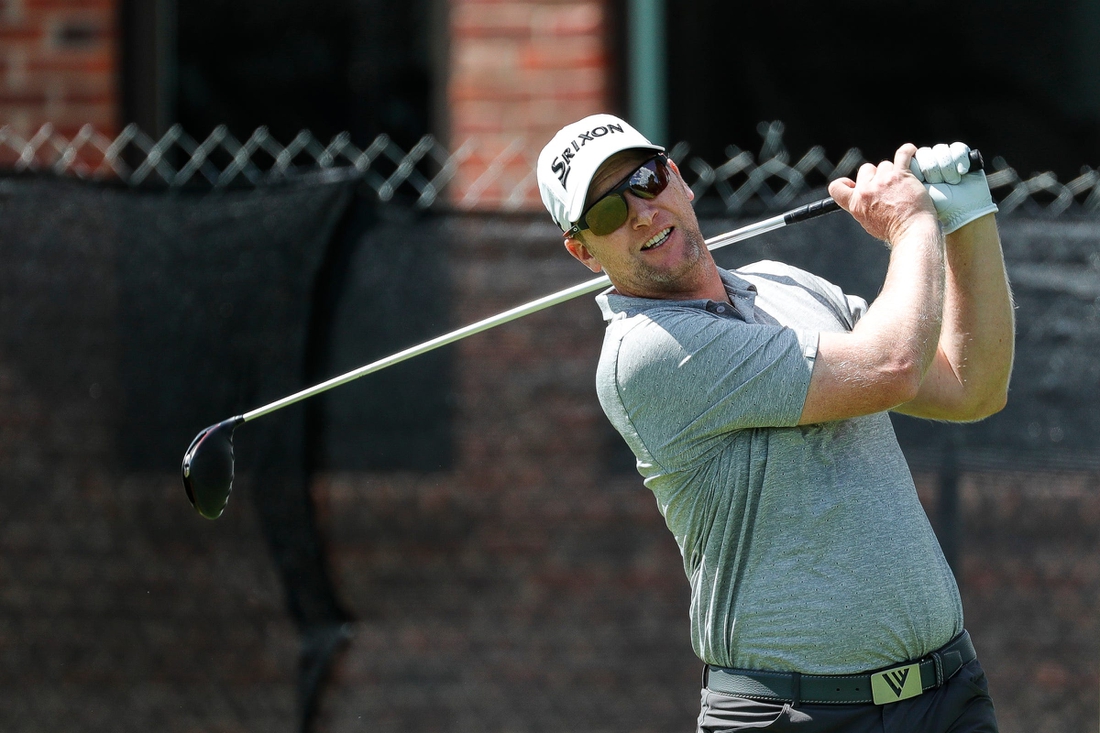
x: 794, y: 216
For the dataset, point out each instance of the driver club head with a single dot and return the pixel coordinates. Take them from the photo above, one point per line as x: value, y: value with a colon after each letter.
x: 208, y: 468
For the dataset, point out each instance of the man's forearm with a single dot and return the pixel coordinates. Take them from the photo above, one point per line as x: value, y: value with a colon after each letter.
x: 978, y: 334
x: 904, y: 322
x: 881, y: 363
x: 969, y: 377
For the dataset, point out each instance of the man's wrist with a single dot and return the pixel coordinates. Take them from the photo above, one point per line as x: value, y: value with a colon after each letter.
x: 958, y: 219
x: 918, y: 228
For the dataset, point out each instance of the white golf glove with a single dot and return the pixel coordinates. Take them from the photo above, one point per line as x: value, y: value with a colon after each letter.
x: 960, y: 196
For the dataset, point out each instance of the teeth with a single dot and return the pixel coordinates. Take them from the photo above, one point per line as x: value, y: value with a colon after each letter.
x: 657, y: 240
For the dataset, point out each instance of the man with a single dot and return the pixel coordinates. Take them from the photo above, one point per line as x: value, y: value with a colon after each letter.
x: 756, y: 403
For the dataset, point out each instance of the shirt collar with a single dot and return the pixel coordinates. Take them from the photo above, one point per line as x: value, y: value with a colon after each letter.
x: 741, y: 293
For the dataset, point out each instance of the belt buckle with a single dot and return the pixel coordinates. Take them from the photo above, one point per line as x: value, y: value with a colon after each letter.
x: 896, y: 684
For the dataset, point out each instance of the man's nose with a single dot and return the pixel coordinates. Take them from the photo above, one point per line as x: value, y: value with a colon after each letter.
x: 641, y: 211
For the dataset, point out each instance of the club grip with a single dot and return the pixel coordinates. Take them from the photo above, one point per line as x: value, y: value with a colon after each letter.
x: 977, y: 162
x: 827, y: 206
x: 809, y: 211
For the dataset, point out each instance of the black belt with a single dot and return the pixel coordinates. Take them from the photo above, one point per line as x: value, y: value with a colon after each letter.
x: 881, y: 687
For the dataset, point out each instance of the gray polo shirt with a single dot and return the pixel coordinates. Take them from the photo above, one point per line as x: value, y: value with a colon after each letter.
x: 806, y: 547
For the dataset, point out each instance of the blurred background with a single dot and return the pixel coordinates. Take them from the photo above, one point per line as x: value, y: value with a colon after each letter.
x: 206, y: 205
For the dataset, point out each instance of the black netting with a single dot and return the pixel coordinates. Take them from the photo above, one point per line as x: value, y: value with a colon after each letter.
x: 214, y: 305
x: 133, y: 318
x: 386, y: 288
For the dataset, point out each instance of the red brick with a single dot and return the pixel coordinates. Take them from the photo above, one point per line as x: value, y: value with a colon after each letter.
x: 479, y: 116
x: 548, y: 115
x: 92, y: 64
x: 49, y: 18
x: 490, y: 62
x: 19, y: 33
x: 578, y: 52
x: 101, y: 114
x: 470, y: 92
x: 11, y: 100
x: 71, y: 81
x: 571, y: 84
x: 471, y: 20
x: 107, y: 7
x: 522, y: 69
x: 570, y: 19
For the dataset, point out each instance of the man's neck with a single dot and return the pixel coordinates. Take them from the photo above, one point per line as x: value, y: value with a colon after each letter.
x: 708, y: 286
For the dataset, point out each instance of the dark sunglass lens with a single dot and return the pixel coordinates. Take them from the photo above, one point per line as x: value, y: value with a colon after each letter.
x: 606, y: 215
x: 611, y: 212
x: 649, y: 180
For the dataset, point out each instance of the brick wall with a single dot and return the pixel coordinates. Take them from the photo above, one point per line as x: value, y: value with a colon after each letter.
x: 1030, y: 579
x: 58, y: 65
x: 519, y: 71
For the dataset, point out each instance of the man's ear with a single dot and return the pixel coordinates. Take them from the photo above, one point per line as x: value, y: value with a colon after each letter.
x: 676, y: 169
x: 580, y: 250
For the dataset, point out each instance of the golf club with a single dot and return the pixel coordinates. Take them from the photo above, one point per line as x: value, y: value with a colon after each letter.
x: 208, y: 463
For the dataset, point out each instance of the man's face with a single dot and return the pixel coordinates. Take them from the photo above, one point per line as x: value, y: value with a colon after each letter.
x: 659, y: 252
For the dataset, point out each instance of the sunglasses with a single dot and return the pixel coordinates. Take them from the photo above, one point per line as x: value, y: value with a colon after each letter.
x: 611, y: 211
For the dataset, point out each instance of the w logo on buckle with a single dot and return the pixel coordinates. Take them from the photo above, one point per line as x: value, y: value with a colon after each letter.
x: 899, y: 683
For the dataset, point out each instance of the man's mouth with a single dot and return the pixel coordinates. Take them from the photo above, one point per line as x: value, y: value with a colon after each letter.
x: 658, y: 240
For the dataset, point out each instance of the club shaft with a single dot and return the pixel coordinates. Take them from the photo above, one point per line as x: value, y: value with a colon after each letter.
x: 824, y: 206
x: 448, y: 338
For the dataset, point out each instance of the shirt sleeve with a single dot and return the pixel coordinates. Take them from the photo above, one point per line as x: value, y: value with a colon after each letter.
x: 857, y: 306
x: 682, y: 380
x: 848, y: 309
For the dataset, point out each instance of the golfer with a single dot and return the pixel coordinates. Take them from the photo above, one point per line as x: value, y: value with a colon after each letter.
x: 756, y: 402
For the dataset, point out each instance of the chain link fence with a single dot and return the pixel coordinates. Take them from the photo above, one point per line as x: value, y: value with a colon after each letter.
x: 747, y: 181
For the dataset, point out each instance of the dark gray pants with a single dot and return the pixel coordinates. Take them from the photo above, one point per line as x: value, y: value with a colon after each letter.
x: 962, y: 705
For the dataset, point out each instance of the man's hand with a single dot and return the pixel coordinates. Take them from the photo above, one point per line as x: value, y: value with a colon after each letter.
x: 886, y: 199
x: 960, y: 196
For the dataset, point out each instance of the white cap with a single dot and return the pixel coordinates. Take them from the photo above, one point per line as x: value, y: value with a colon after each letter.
x: 568, y: 162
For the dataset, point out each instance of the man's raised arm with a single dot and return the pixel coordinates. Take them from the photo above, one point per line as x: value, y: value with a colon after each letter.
x: 882, y: 362
x: 968, y: 379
